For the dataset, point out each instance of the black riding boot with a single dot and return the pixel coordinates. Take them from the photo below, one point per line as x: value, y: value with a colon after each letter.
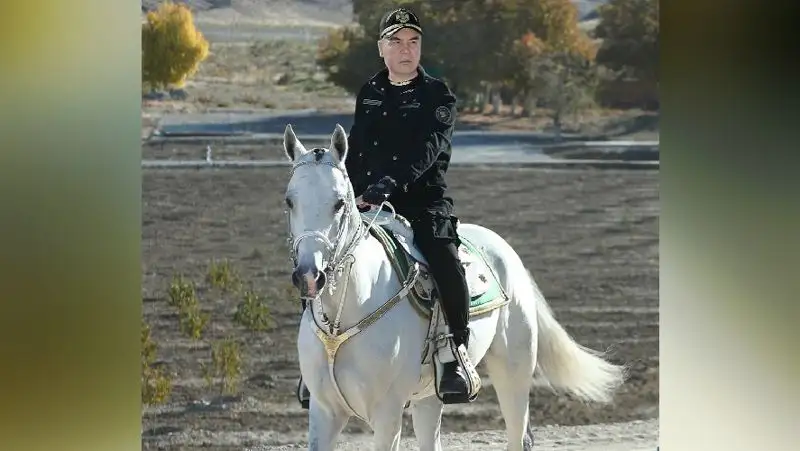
x: 454, y: 380
x: 303, y: 395
x: 454, y: 297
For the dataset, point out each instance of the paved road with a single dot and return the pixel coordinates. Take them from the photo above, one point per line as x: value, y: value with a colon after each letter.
x: 473, y: 145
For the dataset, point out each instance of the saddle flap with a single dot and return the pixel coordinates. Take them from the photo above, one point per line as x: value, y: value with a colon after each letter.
x: 397, y: 237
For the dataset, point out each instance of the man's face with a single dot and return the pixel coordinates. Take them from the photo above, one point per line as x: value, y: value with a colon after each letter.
x: 401, y: 51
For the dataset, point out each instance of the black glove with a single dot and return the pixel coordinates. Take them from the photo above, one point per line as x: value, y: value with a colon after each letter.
x: 379, y: 192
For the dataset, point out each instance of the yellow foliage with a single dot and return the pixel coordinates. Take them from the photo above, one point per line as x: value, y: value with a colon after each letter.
x: 172, y: 47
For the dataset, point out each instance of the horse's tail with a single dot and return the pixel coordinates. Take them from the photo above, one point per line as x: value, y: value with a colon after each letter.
x: 566, y: 365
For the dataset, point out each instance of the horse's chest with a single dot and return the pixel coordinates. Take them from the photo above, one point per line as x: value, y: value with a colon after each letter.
x: 368, y: 362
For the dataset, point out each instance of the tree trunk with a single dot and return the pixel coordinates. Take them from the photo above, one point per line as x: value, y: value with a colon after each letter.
x: 528, y: 105
x: 487, y: 96
x: 557, y: 124
x: 497, y: 101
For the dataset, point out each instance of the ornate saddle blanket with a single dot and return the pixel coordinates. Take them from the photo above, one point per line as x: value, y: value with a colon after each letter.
x: 397, y: 238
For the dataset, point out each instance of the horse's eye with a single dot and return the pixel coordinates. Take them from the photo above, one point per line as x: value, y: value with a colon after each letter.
x: 289, y: 202
x: 339, y: 205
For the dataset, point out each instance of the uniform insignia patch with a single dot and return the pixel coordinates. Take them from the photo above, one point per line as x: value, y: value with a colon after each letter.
x: 443, y: 115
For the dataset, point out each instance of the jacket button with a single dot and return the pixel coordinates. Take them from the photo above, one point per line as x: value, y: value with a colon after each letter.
x: 384, y: 113
x: 375, y: 143
x: 369, y: 172
x: 394, y: 157
x: 361, y: 154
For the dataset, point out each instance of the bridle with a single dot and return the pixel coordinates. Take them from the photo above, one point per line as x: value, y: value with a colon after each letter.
x: 339, y: 252
x: 339, y: 262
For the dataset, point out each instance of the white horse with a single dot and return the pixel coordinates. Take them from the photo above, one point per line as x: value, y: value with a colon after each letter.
x: 369, y: 342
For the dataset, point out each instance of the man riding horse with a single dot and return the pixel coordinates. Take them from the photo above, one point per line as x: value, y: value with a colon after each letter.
x: 399, y: 151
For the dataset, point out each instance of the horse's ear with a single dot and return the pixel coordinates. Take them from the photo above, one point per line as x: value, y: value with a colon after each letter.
x: 291, y: 145
x: 339, y: 143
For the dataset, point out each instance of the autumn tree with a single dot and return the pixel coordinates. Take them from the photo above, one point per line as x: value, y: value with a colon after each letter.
x: 350, y: 55
x: 469, y: 43
x: 630, y: 31
x: 172, y: 48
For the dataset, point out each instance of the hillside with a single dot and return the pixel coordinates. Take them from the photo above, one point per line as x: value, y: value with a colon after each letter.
x: 293, y: 12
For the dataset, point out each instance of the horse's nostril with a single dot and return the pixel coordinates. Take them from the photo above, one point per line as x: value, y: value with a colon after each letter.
x: 297, y: 279
x: 321, y: 279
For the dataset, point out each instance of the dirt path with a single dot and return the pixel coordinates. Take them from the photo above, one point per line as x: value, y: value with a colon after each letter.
x: 590, y: 237
x: 631, y: 436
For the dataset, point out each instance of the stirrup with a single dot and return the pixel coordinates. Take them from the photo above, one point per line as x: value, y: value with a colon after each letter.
x: 448, y: 353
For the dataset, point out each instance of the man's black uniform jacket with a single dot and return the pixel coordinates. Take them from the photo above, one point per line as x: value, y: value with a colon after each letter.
x: 404, y: 132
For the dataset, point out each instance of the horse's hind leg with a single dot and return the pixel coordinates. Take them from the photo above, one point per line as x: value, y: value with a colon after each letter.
x: 426, y: 415
x: 510, y: 363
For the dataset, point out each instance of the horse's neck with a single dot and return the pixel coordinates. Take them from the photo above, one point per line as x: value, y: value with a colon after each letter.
x: 363, y: 293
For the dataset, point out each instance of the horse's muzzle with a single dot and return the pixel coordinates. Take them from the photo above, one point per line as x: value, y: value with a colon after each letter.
x: 308, y: 279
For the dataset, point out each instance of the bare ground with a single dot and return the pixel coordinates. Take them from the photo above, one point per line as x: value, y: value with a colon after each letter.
x: 590, y: 238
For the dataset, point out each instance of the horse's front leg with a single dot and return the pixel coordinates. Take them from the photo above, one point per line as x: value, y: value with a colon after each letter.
x: 427, y: 420
x: 324, y: 426
x: 387, y: 424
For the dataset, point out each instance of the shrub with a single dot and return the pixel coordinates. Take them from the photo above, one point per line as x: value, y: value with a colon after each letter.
x: 156, y: 386
x: 172, y: 48
x: 226, y: 364
x: 193, y: 321
x: 223, y: 276
x: 181, y: 293
x: 252, y: 312
x: 348, y: 57
x: 183, y: 297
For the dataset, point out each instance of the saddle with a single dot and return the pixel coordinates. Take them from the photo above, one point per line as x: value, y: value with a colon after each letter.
x: 396, y: 236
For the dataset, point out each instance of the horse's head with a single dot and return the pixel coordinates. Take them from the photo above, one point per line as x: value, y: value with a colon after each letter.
x: 320, y: 204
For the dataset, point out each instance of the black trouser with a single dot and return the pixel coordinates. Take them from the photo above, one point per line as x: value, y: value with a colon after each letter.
x: 437, y: 239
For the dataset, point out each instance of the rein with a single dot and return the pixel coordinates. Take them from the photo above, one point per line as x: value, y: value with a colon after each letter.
x: 339, y: 253
x: 340, y: 256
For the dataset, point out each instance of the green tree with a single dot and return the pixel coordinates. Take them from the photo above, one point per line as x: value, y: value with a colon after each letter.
x: 564, y: 82
x: 348, y: 57
x: 630, y: 33
x: 469, y: 43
